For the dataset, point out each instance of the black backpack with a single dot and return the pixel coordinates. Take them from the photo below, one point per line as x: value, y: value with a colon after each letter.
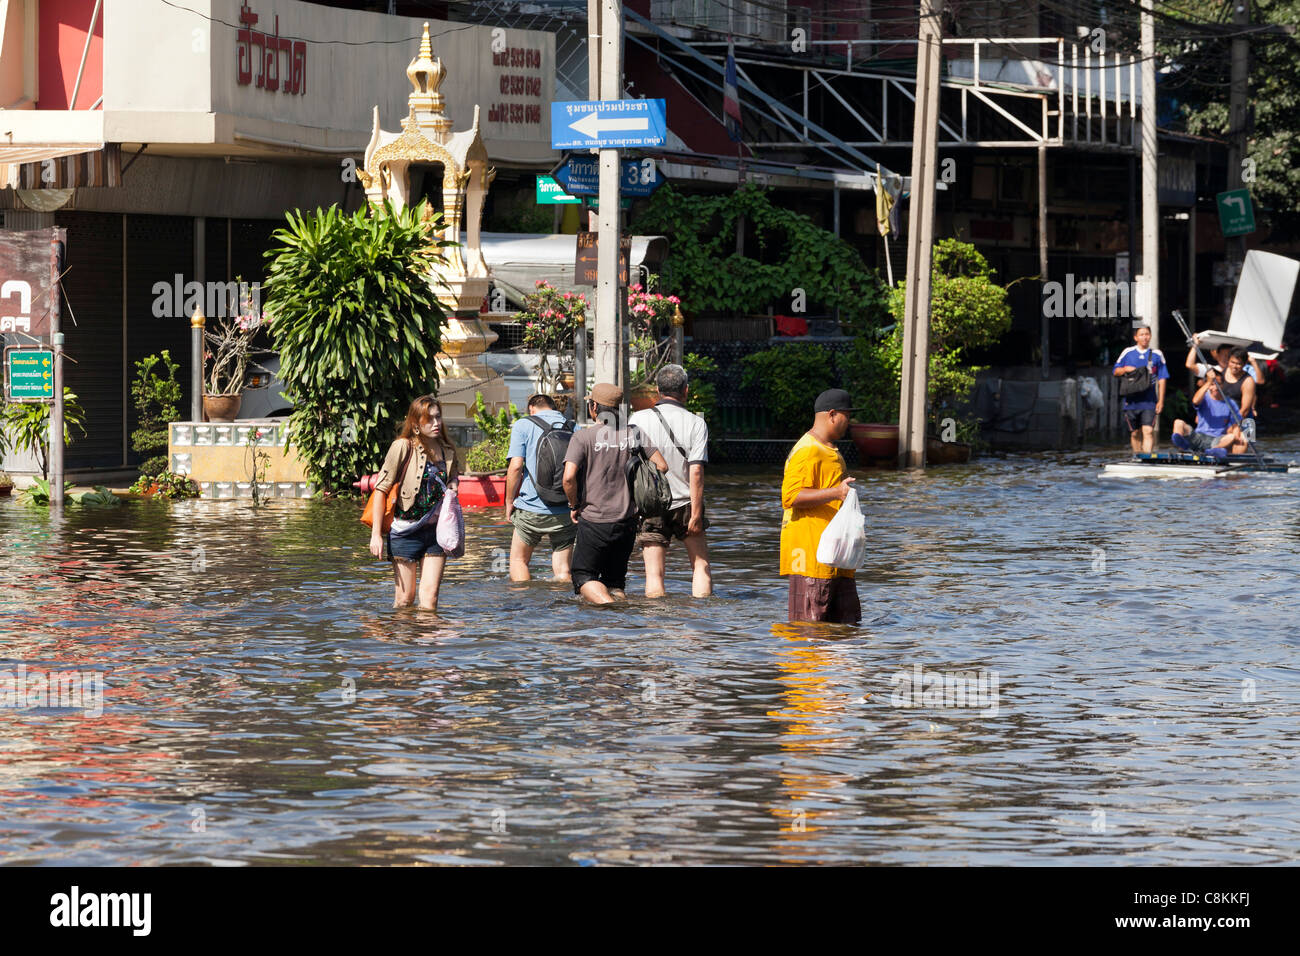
x: 551, y: 449
x: 651, y: 493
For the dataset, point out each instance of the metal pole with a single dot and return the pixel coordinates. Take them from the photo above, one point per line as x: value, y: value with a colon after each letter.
x: 916, y: 312
x: 1150, y: 186
x: 610, y: 339
x: 580, y: 374
x: 1046, y: 335
x: 1238, y: 90
x: 56, y: 410
x: 196, y: 366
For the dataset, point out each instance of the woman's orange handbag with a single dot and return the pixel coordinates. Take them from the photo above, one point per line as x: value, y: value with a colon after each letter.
x: 380, y: 506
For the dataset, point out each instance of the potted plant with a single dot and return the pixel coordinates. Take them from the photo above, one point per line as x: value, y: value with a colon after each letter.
x: 29, y: 423
x: 551, y: 321
x: 652, y: 317
x: 484, y: 481
x: 6, y: 485
x: 230, y: 340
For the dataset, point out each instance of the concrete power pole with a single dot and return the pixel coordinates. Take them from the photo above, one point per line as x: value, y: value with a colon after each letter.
x: 920, y: 242
x: 611, y: 345
x: 1150, y: 184
x: 1238, y: 90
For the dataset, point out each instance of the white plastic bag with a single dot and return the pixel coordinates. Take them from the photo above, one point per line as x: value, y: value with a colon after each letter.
x: 844, y: 542
x: 450, y: 532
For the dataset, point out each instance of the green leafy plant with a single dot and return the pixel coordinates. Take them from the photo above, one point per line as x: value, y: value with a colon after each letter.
x: 29, y: 423
x: 551, y: 320
x: 157, y: 400
x: 790, y: 377
x: 39, y: 493
x: 357, y: 325
x: 166, y: 484
x: 789, y: 253
x: 487, y: 456
x: 702, y: 397
x: 968, y: 310
x: 101, y: 497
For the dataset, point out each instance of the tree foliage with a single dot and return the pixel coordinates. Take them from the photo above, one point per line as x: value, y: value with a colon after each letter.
x: 708, y: 275
x: 357, y: 324
x: 968, y: 310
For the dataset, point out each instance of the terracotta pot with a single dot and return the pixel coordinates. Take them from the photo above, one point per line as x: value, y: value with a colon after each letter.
x: 482, y: 491
x: 875, y: 439
x: 221, y: 408
x: 567, y: 381
x: 643, y: 397
x: 946, y: 452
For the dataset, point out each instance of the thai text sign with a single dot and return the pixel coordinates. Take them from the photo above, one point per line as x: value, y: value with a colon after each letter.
x: 28, y: 279
x: 262, y: 50
x: 29, y: 375
x: 584, y: 266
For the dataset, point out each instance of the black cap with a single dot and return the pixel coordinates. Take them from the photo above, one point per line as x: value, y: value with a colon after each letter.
x: 834, y: 400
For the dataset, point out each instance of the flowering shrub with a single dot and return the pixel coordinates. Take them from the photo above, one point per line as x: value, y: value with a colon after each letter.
x: 551, y: 320
x: 650, y: 315
x: 230, y: 339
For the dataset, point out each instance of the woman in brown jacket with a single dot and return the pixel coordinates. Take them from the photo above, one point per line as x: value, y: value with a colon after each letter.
x: 432, y: 471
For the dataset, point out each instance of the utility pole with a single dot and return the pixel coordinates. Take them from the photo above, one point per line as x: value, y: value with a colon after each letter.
x: 920, y: 240
x: 611, y: 341
x: 1150, y: 184
x: 55, y: 460
x: 1045, y: 336
x: 1237, y: 92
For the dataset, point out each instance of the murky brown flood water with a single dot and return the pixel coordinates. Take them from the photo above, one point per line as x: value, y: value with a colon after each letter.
x: 1147, y: 697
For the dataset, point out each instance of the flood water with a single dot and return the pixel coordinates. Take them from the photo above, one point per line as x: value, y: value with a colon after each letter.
x: 263, y: 704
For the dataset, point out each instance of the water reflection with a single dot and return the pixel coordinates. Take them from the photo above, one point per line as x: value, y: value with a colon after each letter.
x: 257, y: 682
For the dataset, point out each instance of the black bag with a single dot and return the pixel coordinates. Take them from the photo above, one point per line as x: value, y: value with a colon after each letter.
x: 1135, y: 382
x: 651, y: 493
x: 551, y: 449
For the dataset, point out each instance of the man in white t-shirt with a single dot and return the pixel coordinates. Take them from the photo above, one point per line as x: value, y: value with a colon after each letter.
x: 682, y: 437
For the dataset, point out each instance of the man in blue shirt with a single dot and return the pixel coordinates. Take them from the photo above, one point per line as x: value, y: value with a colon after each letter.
x: 533, y: 518
x: 1215, y: 418
x: 1140, y: 410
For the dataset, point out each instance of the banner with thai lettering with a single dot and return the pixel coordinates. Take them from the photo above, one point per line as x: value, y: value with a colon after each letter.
x: 29, y: 280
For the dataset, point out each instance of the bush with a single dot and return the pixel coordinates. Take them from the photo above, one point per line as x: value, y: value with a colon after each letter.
x: 487, y: 455
x: 790, y: 378
x: 30, y: 424
x: 968, y: 310
x: 702, y: 398
x: 156, y: 399
x: 170, y: 485
x: 357, y: 325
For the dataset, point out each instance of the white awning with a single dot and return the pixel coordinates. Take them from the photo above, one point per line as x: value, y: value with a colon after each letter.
x: 74, y: 164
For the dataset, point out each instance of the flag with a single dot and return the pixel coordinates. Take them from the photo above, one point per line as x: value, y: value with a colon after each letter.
x: 884, y: 204
x: 731, y: 98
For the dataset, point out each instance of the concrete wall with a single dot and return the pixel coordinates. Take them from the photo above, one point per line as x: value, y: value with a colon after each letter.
x: 19, y: 85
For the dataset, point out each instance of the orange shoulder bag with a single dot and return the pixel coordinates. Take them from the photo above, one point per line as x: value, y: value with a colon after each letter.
x: 381, y: 504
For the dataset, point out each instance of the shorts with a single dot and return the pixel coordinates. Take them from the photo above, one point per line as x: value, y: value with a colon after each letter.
x: 834, y: 600
x: 601, y: 553
x: 532, y: 527
x: 1200, y: 441
x: 1139, y: 418
x: 414, y: 546
x: 657, y: 532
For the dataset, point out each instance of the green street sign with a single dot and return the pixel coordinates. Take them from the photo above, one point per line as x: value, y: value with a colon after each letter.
x: 1236, y: 214
x: 29, y: 375
x: 551, y: 193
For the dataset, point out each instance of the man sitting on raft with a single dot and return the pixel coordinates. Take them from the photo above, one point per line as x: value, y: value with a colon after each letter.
x: 1215, y: 431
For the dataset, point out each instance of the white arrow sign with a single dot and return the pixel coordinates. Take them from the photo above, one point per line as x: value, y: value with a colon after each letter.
x: 1240, y: 203
x: 591, y: 126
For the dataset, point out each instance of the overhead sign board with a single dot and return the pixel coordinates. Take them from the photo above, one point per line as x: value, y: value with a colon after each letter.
x: 29, y: 374
x: 29, y: 269
x: 551, y: 193
x: 1236, y: 214
x: 608, y: 124
x: 584, y: 266
x: 580, y: 176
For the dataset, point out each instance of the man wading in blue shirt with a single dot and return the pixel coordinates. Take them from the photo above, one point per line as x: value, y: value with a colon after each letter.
x: 532, y: 517
x: 1140, y: 410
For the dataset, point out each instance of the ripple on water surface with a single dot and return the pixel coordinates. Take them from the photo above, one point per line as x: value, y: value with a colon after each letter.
x: 263, y: 704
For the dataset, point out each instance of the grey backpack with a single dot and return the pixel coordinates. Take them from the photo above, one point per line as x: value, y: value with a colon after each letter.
x: 651, y: 493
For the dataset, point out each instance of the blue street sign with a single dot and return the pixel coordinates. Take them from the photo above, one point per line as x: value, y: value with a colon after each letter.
x: 608, y: 124
x: 580, y: 176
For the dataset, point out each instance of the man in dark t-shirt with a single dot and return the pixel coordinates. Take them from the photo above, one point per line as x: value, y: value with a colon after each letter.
x: 595, y: 481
